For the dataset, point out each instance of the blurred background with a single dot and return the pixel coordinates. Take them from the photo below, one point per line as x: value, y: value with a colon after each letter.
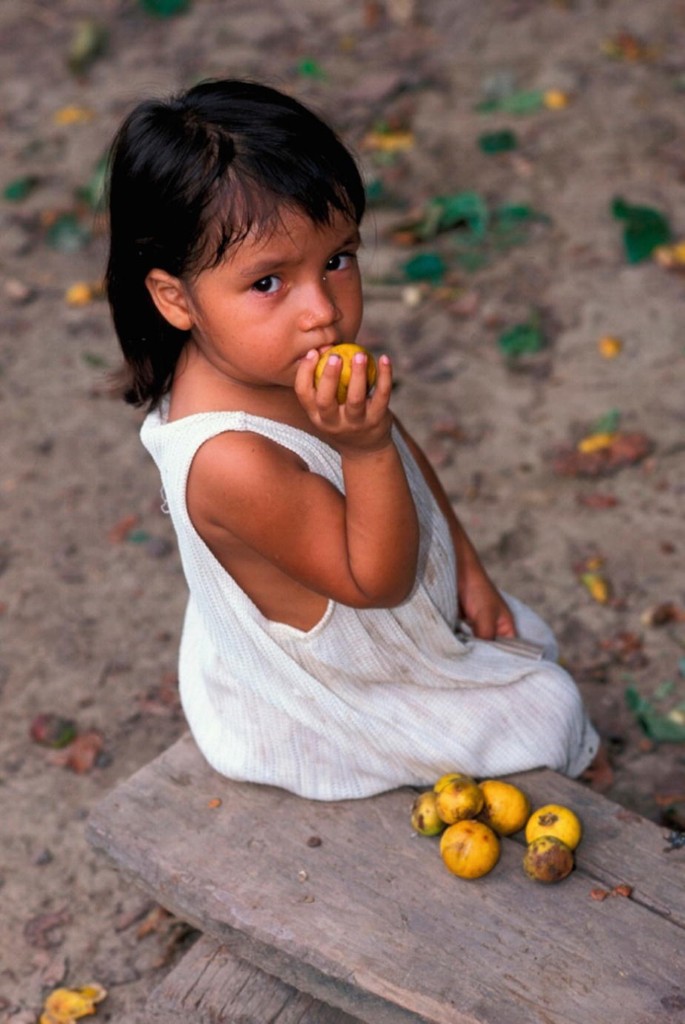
x: 523, y: 265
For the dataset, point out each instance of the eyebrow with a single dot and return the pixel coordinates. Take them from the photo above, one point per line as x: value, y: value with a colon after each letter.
x: 272, y: 263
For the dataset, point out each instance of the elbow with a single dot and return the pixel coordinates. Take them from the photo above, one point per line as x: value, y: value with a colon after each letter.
x: 390, y: 591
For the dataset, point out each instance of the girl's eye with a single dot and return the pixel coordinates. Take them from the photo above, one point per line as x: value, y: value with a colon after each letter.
x: 267, y: 285
x: 341, y: 261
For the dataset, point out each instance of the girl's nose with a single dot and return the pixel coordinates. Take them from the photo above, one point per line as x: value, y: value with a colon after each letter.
x: 319, y: 308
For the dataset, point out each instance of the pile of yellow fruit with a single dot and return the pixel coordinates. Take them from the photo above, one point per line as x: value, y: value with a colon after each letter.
x: 470, y: 818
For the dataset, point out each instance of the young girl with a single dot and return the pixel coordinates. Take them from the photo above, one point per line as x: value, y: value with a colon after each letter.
x: 337, y: 640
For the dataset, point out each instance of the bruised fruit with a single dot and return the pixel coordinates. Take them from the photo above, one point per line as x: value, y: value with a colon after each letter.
x: 424, y: 815
x: 461, y: 798
x: 555, y: 820
x: 506, y: 808
x: 347, y: 352
x: 469, y: 849
x: 548, y: 859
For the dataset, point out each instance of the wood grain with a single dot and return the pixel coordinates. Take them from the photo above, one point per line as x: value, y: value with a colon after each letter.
x: 211, y: 986
x: 371, y: 922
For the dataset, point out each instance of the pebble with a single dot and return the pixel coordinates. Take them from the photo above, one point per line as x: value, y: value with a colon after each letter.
x: 18, y: 292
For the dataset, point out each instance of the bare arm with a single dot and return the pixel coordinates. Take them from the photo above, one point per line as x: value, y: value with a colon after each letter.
x: 480, y: 603
x: 253, y: 495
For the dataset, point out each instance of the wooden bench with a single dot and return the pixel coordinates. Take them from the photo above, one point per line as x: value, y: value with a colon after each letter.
x: 337, y: 913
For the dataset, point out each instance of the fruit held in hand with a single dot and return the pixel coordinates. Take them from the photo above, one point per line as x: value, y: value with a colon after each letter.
x: 469, y: 849
x: 506, y: 808
x: 555, y: 820
x: 424, y: 815
x: 461, y: 798
x: 346, y: 351
x: 547, y: 860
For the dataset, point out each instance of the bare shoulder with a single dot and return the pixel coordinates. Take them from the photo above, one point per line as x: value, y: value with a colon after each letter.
x: 236, y: 469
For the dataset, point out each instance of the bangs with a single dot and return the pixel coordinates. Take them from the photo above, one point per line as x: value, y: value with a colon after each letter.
x: 243, y: 207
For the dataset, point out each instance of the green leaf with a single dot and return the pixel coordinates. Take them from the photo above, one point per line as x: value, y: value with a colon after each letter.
x: 608, y: 423
x: 498, y: 142
x: 164, y: 8
x: 67, y: 234
x: 645, y: 229
x: 658, y: 727
x: 522, y: 339
x: 93, y: 192
x: 88, y: 42
x: 634, y: 702
x: 310, y: 68
x: 427, y: 266
x: 94, y: 359
x: 467, y: 208
x: 138, y: 537
x: 20, y: 188
x: 525, y: 101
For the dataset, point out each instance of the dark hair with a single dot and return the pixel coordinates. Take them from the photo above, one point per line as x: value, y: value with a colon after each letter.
x: 193, y: 175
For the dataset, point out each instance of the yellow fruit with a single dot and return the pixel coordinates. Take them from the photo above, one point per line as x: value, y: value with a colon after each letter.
x: 469, y: 849
x: 609, y: 346
x: 506, y: 808
x: 424, y: 815
x: 79, y: 294
x: 555, y: 820
x: 444, y: 780
x: 346, y: 351
x: 548, y: 860
x: 459, y: 799
x: 556, y: 99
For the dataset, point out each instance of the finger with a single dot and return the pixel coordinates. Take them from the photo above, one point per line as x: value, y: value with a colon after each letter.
x: 505, y: 627
x: 505, y: 624
x: 327, y: 386
x: 358, y: 384
x: 483, y: 627
x: 304, y: 377
x: 383, y: 386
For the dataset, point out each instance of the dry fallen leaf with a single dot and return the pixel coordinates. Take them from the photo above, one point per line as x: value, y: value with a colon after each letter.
x: 119, y: 532
x: 622, y: 890
x: 80, y: 755
x: 65, y: 1005
x: 623, y: 450
x: 597, y: 586
x: 598, y: 500
x: 662, y: 614
x: 153, y: 922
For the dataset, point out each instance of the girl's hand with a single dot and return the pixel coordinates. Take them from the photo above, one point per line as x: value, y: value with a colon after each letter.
x: 481, y: 605
x: 362, y: 423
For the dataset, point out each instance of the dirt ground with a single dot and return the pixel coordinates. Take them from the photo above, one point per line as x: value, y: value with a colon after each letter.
x: 91, y: 592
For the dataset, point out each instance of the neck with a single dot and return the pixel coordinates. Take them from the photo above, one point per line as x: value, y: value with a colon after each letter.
x: 200, y: 387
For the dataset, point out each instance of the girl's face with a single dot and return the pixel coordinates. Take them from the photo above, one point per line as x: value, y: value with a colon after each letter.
x: 272, y: 299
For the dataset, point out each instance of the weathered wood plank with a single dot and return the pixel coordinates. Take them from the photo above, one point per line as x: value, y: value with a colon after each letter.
x: 211, y: 986
x: 370, y: 920
x: 618, y: 845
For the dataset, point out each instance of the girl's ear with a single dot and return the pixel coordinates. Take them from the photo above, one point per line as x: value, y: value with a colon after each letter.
x: 170, y: 297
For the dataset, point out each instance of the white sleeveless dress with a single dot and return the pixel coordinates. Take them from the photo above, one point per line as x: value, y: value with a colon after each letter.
x: 366, y: 700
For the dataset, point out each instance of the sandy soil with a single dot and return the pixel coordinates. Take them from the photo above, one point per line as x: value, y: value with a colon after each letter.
x: 91, y: 593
